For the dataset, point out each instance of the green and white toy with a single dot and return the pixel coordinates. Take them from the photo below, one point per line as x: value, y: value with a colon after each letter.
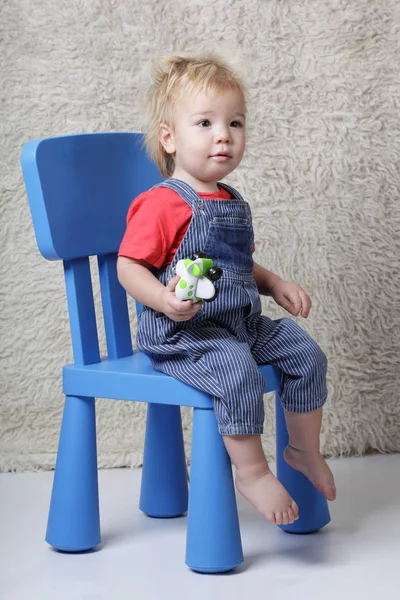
x: 197, y: 275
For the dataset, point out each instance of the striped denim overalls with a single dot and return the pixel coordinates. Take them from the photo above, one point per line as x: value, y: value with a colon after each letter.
x: 218, y: 350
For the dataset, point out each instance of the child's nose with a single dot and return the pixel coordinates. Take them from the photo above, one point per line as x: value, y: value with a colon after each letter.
x: 223, y: 135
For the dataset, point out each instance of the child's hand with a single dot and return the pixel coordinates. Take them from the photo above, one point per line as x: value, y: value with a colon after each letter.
x: 291, y: 297
x: 174, y: 309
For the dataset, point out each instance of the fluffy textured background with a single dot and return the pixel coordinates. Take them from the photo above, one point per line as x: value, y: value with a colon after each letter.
x: 321, y: 173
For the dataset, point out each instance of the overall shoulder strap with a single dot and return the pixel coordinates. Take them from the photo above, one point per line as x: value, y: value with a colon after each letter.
x: 233, y: 192
x: 185, y: 191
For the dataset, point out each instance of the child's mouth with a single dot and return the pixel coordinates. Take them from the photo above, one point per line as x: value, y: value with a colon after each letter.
x: 221, y: 157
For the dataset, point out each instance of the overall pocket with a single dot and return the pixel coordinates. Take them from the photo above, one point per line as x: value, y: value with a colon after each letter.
x: 230, y: 242
x: 254, y: 298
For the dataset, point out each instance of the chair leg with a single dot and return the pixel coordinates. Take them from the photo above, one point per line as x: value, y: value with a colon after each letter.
x: 74, y: 522
x: 213, y: 534
x: 313, y: 506
x: 164, y: 487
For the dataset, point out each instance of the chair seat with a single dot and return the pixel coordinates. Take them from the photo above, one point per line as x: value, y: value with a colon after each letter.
x: 133, y: 378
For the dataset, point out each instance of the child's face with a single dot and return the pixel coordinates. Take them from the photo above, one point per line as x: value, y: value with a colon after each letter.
x: 207, y: 137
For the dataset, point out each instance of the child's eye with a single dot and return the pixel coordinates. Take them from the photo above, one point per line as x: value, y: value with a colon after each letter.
x: 205, y: 123
x: 236, y: 124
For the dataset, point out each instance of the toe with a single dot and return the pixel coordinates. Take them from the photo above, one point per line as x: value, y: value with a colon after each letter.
x: 295, y: 510
x: 270, y: 517
x: 331, y: 492
x: 285, y: 518
x: 290, y: 515
x: 278, y: 518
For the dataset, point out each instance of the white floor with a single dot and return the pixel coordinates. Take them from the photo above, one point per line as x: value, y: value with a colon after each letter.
x: 356, y: 556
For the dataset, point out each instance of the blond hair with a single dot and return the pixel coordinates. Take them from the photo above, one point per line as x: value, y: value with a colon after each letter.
x: 173, y: 77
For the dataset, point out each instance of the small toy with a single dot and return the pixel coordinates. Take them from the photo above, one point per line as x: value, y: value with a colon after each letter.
x: 197, y: 275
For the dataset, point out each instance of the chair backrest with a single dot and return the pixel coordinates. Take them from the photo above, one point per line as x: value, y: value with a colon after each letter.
x: 79, y: 190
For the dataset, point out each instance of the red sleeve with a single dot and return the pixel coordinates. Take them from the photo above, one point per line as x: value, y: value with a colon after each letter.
x: 155, y: 220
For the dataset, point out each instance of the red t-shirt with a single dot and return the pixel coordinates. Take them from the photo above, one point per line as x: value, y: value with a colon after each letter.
x: 156, y: 222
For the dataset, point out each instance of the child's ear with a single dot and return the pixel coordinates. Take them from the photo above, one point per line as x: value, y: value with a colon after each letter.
x: 166, y: 138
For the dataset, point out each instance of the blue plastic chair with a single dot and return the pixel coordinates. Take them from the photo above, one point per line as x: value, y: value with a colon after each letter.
x: 79, y: 189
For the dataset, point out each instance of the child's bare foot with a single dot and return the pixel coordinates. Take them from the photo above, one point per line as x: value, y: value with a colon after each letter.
x: 314, y: 467
x: 267, y: 495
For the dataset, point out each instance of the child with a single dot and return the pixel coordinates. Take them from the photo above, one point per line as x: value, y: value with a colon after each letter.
x: 196, y: 135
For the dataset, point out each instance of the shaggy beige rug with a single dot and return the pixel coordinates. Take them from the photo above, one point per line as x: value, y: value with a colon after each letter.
x: 321, y: 173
